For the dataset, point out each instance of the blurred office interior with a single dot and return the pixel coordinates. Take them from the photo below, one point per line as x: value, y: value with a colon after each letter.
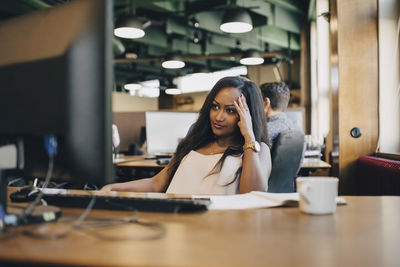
x: 340, y: 59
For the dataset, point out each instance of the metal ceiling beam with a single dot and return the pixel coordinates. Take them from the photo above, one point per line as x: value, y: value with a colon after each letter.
x: 198, y: 57
x: 277, y: 36
x: 209, y: 20
x: 154, y: 36
x: 171, y: 6
x: 247, y: 41
x: 186, y: 47
x: 287, y: 20
x: 256, y: 6
x: 36, y: 4
x: 164, y: 6
x: 289, y: 5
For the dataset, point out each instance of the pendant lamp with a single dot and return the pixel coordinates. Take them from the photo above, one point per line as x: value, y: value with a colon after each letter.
x: 173, y: 61
x: 236, y: 21
x: 252, y: 57
x: 129, y: 27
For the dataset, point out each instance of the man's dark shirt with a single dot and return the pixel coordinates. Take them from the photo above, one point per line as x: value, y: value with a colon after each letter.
x: 276, y: 124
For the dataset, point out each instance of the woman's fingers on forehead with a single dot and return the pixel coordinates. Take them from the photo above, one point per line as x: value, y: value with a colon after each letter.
x: 242, y: 101
x: 238, y: 106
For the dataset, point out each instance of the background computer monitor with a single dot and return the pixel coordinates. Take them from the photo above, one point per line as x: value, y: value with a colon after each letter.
x: 56, y: 78
x: 297, y: 116
x: 164, y: 130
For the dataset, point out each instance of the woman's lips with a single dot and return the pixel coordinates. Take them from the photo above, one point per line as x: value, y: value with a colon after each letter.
x: 218, y: 126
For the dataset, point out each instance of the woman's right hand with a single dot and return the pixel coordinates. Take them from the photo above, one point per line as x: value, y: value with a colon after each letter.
x: 245, y: 122
x: 107, y: 188
x: 157, y: 183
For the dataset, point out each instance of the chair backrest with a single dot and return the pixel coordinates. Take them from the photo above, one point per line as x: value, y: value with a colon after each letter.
x: 286, y: 154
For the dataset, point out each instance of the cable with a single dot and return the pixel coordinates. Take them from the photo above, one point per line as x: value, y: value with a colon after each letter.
x: 87, y: 226
x: 40, y: 232
x: 158, y: 229
x: 28, y: 211
x: 51, y: 146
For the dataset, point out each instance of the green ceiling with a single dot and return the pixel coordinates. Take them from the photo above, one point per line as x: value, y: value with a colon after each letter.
x: 277, y: 27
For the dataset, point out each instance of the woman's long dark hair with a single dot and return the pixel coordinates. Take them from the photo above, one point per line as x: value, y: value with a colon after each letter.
x: 201, y: 133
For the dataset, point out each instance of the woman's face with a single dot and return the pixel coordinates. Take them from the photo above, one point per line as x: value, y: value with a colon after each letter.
x: 223, y: 116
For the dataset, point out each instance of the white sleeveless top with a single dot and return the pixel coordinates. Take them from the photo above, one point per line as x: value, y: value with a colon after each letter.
x: 192, y: 176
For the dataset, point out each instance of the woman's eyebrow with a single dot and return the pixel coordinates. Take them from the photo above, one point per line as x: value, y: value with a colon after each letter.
x: 230, y: 105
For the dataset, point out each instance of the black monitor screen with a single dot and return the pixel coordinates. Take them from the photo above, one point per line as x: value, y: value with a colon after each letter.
x: 56, y: 78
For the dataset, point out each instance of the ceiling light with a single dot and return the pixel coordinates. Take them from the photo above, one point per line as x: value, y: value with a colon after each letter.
x: 196, y: 38
x: 131, y: 55
x: 252, y: 57
x: 132, y: 86
x: 236, y: 21
x: 173, y: 61
x: 195, y: 22
x: 129, y: 27
x: 173, y: 91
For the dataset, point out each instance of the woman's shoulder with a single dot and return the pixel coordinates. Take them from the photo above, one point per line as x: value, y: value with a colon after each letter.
x: 264, y: 146
x: 265, y: 151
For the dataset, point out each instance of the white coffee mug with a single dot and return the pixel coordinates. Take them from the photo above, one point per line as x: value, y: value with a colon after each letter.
x: 317, y: 195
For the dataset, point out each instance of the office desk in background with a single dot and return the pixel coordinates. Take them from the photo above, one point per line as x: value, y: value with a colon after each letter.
x: 137, y: 167
x: 362, y: 233
x: 140, y: 161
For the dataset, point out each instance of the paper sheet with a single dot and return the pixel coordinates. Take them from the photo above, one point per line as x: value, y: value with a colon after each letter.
x: 255, y: 199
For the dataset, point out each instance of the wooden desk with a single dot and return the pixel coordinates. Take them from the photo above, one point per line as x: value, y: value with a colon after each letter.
x: 125, y: 158
x: 143, y: 163
x: 314, y: 163
x: 139, y: 161
x: 363, y: 233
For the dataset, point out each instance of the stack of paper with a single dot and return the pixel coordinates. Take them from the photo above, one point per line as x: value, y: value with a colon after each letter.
x: 255, y: 199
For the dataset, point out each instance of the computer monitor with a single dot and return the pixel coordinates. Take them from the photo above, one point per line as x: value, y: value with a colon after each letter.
x: 297, y: 117
x: 56, y: 77
x: 164, y: 130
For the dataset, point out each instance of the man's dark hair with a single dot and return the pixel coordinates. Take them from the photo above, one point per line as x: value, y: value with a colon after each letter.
x: 278, y: 94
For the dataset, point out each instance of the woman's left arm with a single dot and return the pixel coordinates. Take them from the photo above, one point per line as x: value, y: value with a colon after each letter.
x: 256, y: 166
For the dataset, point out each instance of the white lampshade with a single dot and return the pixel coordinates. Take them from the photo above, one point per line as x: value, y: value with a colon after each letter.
x: 236, y: 21
x: 129, y: 28
x: 252, y: 57
x: 173, y: 91
x: 132, y: 86
x: 173, y: 61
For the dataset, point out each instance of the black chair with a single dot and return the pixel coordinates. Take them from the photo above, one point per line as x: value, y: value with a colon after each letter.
x: 286, y: 155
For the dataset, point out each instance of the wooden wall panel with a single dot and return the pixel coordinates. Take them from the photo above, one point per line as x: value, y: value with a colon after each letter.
x: 357, y: 76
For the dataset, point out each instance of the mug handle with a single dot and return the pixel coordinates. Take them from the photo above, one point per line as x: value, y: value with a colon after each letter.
x: 304, y: 191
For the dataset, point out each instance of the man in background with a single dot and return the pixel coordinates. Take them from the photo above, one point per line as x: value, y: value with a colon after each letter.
x: 276, y: 99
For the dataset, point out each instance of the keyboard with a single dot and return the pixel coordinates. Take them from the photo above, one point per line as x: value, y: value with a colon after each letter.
x: 149, y: 202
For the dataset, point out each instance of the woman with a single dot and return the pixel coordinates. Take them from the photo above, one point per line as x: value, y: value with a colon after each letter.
x: 224, y: 153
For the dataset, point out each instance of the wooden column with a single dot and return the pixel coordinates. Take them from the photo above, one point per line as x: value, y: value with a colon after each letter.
x: 354, y: 84
x: 305, y: 83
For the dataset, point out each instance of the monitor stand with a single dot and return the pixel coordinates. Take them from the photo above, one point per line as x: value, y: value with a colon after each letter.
x: 15, y: 215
